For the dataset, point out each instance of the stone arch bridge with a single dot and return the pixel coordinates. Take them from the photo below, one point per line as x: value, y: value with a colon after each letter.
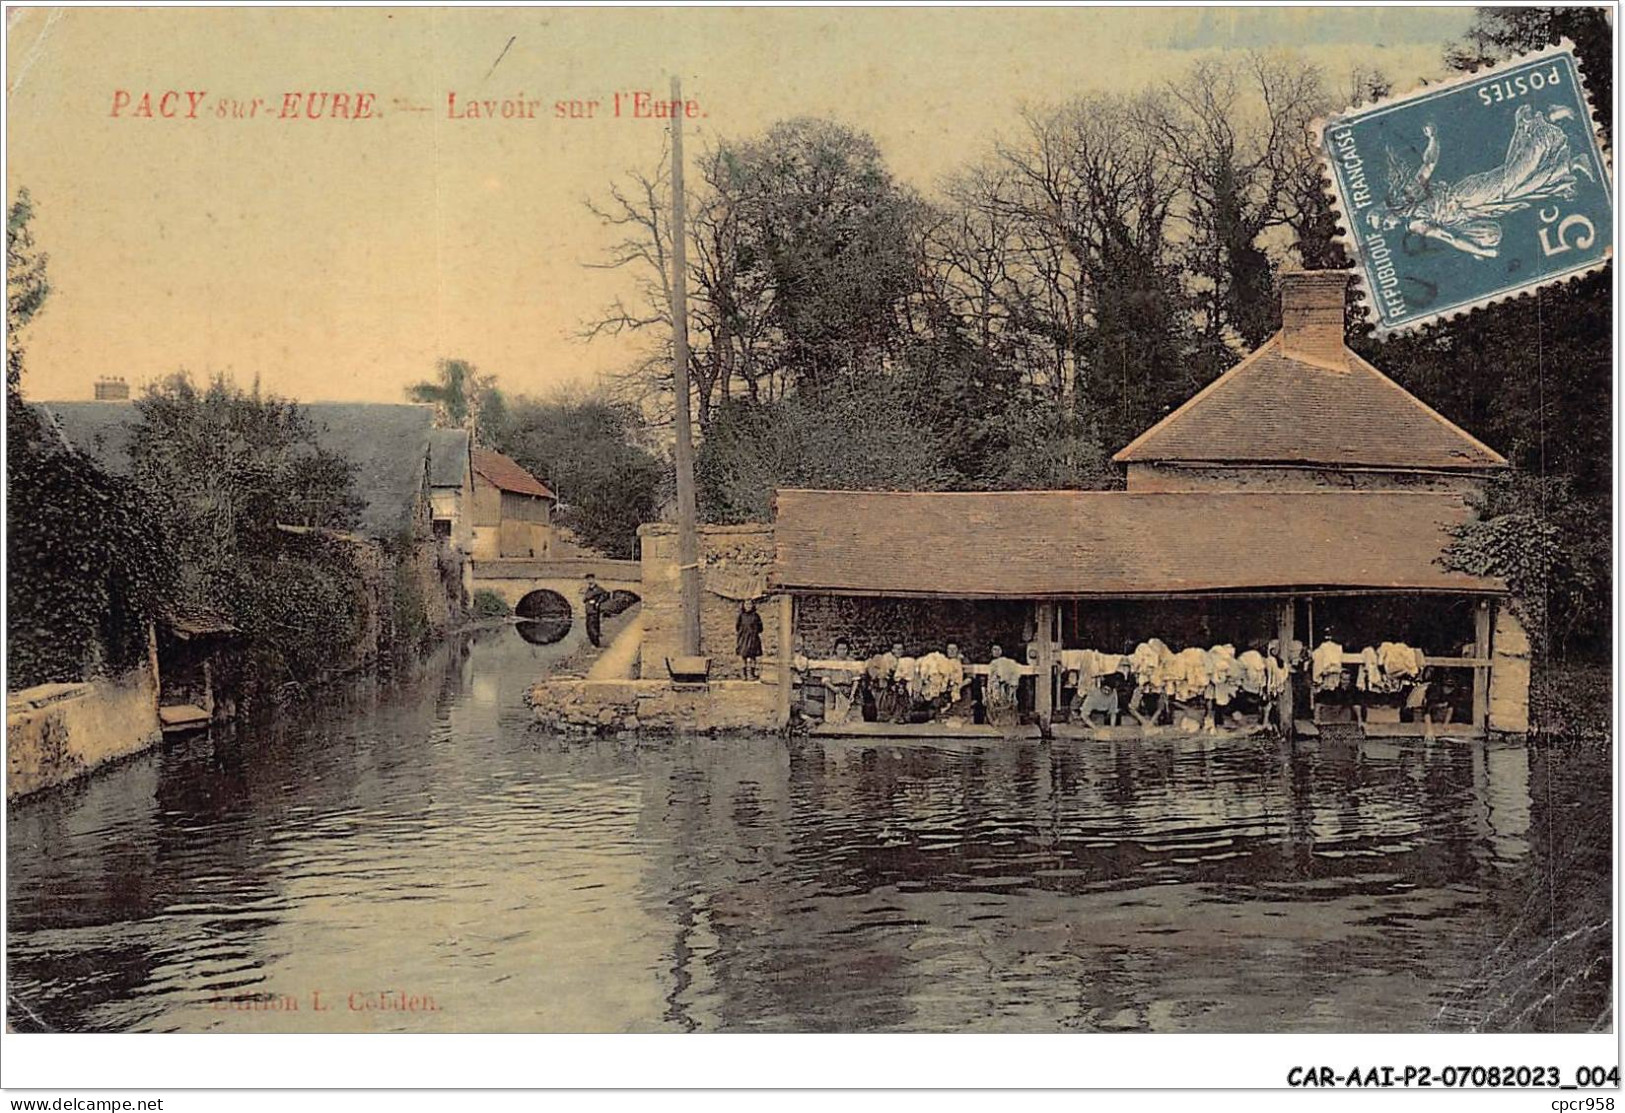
x: 519, y: 581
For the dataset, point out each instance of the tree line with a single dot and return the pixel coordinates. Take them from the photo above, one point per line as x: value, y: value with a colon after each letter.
x: 1104, y: 260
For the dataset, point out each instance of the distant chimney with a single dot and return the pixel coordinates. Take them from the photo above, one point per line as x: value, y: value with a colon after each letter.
x: 112, y: 390
x: 1312, y: 314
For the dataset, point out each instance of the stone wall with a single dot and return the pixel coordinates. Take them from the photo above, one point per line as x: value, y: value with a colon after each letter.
x: 374, y: 600
x: 1509, y: 673
x: 1151, y: 478
x: 614, y: 707
x: 734, y: 563
x: 438, y: 586
x: 922, y: 625
x: 57, y: 732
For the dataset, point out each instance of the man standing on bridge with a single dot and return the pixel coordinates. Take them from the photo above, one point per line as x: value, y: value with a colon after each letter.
x: 593, y: 601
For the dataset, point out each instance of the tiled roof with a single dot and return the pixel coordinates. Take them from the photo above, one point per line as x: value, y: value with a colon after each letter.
x: 102, y: 431
x: 448, y: 457
x: 1036, y: 544
x: 504, y: 473
x: 1272, y: 408
x: 388, y: 443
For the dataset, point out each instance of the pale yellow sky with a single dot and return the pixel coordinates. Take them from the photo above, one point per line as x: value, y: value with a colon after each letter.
x: 338, y: 259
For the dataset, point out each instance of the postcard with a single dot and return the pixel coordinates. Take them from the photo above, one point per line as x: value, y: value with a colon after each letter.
x: 815, y: 520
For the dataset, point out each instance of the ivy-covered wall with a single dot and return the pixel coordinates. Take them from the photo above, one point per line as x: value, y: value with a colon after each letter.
x: 86, y: 560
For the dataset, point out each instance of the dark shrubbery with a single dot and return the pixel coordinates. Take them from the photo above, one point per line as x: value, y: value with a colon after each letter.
x: 88, y: 565
x: 300, y: 616
x: 586, y: 450
x: 489, y: 605
x: 1552, y: 546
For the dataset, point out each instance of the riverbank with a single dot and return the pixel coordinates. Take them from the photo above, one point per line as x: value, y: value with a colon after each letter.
x: 1573, y: 702
x: 58, y: 733
x: 1552, y: 969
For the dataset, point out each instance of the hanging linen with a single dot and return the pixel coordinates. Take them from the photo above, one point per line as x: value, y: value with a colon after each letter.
x: 1254, y: 678
x: 1225, y: 673
x: 1326, y: 666
x: 1399, y: 661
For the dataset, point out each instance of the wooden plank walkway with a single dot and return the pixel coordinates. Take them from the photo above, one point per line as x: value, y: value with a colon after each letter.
x: 923, y: 731
x: 182, y: 716
x: 937, y: 732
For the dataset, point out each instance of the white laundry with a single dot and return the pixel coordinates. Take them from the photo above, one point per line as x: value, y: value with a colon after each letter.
x: 1326, y: 665
x: 1254, y: 672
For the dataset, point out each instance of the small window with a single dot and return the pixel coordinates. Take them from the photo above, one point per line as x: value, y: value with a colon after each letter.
x: 442, y: 527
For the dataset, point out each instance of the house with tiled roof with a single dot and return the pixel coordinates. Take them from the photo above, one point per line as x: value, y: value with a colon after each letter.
x: 1304, y: 412
x: 1301, y: 499
x: 513, y: 510
x: 397, y: 460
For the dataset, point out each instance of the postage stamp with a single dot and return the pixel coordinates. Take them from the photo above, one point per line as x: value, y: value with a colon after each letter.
x: 1466, y: 193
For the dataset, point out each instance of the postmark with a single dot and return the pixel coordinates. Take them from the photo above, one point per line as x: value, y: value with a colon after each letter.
x: 1469, y: 192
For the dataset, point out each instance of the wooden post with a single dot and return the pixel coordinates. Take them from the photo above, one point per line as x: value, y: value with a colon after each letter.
x: 688, y: 544
x: 1481, y: 677
x: 1283, y: 704
x: 787, y: 654
x: 1044, y: 682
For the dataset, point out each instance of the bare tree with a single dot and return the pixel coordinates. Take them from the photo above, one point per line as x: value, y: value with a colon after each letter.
x: 1038, y: 239
x: 1235, y: 132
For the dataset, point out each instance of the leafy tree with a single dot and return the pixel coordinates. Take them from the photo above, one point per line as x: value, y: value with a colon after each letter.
x: 803, y: 254
x: 223, y: 468
x: 869, y: 438
x: 228, y: 466
x: 27, y: 287
x: 833, y: 237
x: 588, y: 450
x: 1538, y: 535
x: 463, y: 398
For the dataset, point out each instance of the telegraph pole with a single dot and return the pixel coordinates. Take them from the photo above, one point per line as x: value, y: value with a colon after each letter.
x: 688, y: 541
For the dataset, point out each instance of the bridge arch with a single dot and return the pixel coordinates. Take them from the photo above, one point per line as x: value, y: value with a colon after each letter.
x: 543, y: 604
x: 548, y: 616
x: 546, y: 583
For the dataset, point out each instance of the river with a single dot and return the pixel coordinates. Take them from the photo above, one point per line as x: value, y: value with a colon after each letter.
x: 414, y: 857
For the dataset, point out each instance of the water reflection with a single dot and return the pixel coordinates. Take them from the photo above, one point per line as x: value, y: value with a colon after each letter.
x: 546, y: 632
x: 416, y: 859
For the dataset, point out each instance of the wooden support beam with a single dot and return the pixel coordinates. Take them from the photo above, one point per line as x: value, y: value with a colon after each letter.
x: 1285, y: 637
x: 787, y: 652
x: 1044, y: 664
x: 1439, y: 662
x: 1482, y: 618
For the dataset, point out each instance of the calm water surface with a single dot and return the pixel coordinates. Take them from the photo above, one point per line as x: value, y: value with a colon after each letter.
x: 416, y: 859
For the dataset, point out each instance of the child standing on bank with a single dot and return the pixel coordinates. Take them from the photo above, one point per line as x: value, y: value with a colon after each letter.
x: 748, y: 638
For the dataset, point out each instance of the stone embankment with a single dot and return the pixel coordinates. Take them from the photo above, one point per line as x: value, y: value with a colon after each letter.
x: 56, y: 733
x: 626, y: 707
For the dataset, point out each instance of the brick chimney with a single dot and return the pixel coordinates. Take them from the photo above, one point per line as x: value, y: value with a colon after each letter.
x: 109, y: 389
x: 1312, y: 314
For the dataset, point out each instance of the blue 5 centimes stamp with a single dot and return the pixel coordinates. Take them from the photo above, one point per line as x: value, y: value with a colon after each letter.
x: 1469, y: 192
